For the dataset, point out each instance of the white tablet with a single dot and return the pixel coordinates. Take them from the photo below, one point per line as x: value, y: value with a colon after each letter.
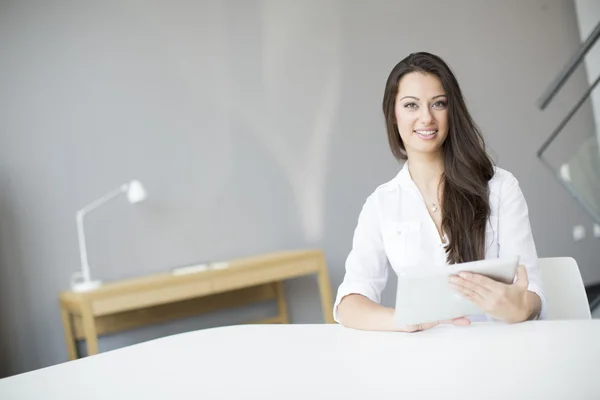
x: 424, y: 293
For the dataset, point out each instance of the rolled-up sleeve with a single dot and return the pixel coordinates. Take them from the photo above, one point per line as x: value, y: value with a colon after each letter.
x: 366, y: 264
x: 516, y: 238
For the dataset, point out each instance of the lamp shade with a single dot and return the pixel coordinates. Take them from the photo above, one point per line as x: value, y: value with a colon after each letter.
x: 136, y: 192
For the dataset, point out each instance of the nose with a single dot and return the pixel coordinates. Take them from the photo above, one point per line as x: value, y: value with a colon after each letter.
x: 426, y: 117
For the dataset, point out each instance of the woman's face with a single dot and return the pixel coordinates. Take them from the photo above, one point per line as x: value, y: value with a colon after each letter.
x: 421, y: 113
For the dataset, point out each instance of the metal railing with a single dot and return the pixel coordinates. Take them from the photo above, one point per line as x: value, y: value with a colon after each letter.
x: 569, y: 68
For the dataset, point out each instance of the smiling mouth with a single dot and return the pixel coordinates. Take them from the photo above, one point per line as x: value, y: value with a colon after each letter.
x: 426, y: 134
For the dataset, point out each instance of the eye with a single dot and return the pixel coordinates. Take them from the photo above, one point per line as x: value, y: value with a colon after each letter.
x: 442, y: 104
x: 410, y: 105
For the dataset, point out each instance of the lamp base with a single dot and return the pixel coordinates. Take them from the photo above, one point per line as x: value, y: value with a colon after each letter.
x: 85, y: 286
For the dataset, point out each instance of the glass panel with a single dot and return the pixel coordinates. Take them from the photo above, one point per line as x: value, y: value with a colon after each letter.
x: 581, y: 175
x: 574, y: 155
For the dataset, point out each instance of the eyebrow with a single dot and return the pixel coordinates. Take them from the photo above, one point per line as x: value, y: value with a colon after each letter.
x: 416, y: 98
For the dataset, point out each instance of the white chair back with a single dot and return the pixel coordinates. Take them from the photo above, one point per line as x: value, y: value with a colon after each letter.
x: 564, y: 289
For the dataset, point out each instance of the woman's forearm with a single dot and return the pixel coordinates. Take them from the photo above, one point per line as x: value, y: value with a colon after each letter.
x: 359, y: 312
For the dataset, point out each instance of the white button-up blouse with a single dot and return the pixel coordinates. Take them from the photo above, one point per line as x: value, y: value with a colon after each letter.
x: 395, y: 229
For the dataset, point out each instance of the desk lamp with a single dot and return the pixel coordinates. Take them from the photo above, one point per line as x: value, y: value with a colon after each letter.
x: 81, y: 280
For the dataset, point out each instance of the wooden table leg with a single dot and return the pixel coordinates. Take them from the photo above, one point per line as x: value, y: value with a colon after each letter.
x: 325, y: 290
x: 281, y: 304
x: 89, y: 330
x: 68, y: 328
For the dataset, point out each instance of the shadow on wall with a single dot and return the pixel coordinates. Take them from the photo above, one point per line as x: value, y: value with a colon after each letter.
x: 13, y: 285
x: 270, y: 110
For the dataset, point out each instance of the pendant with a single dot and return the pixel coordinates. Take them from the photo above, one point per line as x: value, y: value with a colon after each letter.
x: 433, y: 207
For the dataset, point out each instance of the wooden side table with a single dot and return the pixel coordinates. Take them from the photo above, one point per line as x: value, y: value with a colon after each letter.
x: 127, y: 304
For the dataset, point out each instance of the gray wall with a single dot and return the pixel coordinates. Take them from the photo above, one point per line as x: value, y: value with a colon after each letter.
x: 255, y: 126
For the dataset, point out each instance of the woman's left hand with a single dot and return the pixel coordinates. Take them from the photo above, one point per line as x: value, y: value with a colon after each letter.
x: 505, y: 302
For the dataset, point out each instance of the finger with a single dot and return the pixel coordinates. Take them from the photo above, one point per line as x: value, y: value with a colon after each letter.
x: 522, y: 279
x: 481, y: 280
x: 468, y: 292
x: 473, y: 297
x: 483, y: 291
x: 461, y: 321
x: 457, y: 321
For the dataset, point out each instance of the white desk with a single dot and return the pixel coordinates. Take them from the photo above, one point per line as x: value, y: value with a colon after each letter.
x: 533, y: 360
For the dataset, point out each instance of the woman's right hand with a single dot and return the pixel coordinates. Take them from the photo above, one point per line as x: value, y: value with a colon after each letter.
x: 421, y: 327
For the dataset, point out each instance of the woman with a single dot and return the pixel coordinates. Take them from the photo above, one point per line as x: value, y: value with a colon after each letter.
x: 447, y: 205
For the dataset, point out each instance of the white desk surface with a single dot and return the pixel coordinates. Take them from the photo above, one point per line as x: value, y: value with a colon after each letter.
x: 532, y: 360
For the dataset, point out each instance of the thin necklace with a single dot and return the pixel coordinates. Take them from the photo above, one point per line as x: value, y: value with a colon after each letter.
x: 434, y: 206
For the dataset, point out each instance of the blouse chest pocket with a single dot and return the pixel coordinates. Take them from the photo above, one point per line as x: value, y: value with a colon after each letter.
x: 402, y: 243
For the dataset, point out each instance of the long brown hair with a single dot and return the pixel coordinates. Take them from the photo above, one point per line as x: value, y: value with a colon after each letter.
x: 467, y: 166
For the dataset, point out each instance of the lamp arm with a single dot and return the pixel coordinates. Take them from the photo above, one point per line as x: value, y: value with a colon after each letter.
x: 85, y: 267
x: 104, y: 199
